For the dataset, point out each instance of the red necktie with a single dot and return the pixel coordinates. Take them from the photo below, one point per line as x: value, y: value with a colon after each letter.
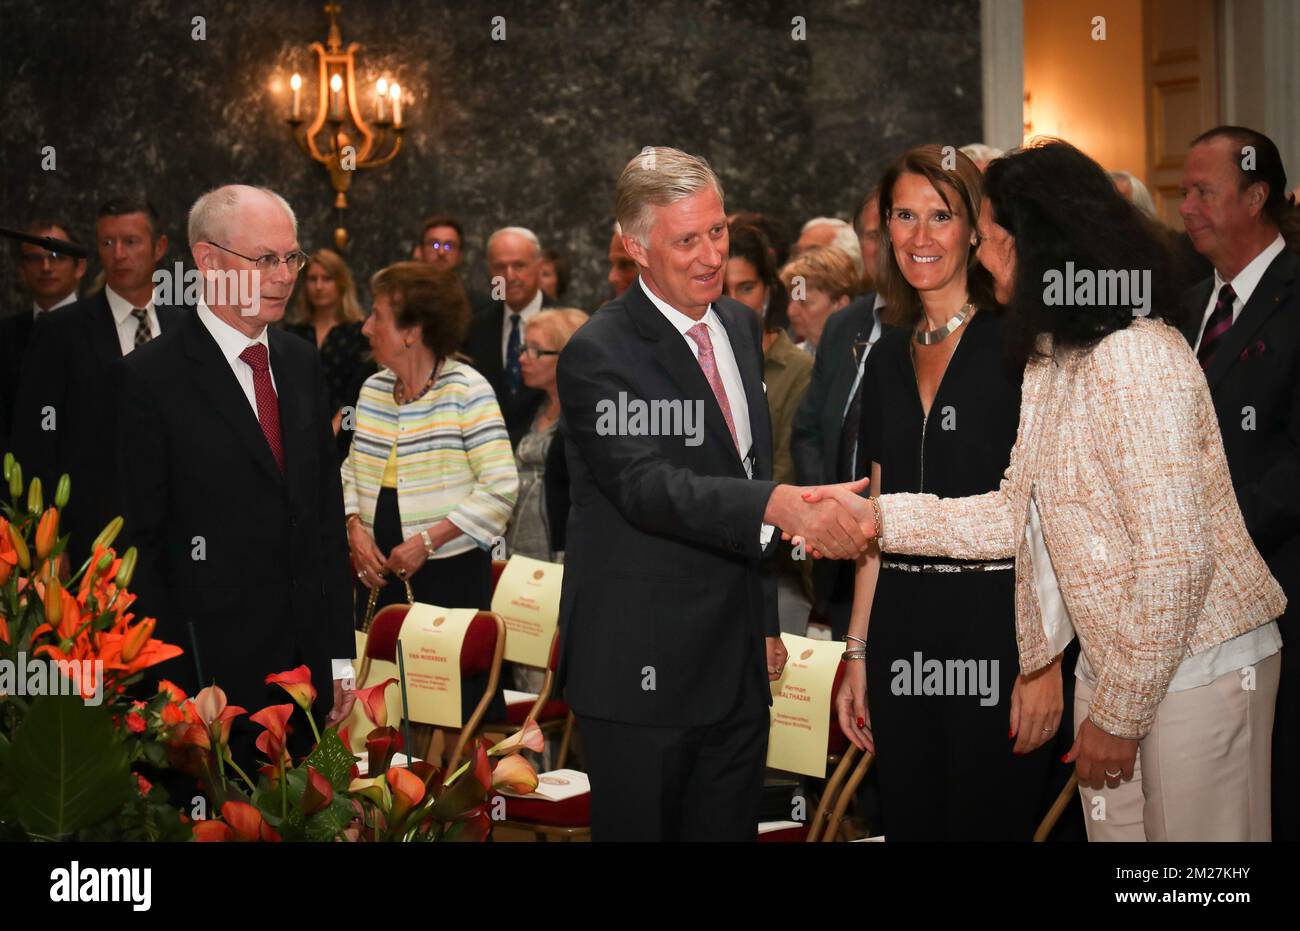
x: 268, y: 406
x: 700, y: 333
x: 1218, y: 324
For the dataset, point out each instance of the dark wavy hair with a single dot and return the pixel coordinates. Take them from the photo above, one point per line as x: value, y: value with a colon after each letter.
x: 749, y: 243
x: 1061, y: 207
x: 428, y: 297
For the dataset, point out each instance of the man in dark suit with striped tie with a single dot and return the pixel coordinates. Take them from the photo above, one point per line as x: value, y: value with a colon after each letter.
x: 1244, y: 324
x: 65, y: 412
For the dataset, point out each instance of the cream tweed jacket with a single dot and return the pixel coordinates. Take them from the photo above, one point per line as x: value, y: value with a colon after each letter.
x: 1121, y: 450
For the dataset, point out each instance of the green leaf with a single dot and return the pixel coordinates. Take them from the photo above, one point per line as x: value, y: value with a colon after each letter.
x: 66, y: 767
x: 332, y: 760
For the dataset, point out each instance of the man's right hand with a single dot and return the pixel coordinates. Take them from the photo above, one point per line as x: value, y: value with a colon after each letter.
x: 829, y: 522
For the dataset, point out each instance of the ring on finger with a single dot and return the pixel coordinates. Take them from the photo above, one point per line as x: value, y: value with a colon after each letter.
x: 1114, y: 775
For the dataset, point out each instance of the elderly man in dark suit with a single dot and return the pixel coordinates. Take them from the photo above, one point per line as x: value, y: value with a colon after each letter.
x: 668, y: 625
x: 496, y: 337
x: 230, y: 478
x: 1244, y: 324
x: 824, y: 438
x: 65, y: 412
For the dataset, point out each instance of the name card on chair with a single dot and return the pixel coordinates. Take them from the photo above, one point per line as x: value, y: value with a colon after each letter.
x: 527, y: 597
x: 801, y: 706
x: 431, y: 643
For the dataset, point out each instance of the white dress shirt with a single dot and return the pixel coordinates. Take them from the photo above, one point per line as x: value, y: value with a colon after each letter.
x: 70, y: 298
x: 126, y: 322
x: 232, y: 342
x: 725, y: 360
x: 1243, y: 285
x: 528, y: 313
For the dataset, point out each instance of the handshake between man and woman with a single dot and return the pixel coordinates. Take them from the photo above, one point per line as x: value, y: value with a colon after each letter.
x: 830, y: 521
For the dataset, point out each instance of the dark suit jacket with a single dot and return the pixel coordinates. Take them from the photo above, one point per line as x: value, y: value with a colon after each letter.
x: 1254, y: 378
x: 273, y: 587
x: 483, y: 346
x: 70, y: 368
x: 815, y: 437
x: 662, y: 557
x: 15, y: 333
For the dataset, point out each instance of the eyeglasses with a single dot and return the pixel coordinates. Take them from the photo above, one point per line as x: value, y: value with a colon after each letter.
x: 536, y: 352
x: 442, y: 245
x: 267, y: 264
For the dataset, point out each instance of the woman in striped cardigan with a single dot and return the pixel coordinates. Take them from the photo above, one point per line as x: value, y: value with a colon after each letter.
x: 429, y: 483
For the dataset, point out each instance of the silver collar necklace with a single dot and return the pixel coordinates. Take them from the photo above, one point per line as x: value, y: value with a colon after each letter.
x: 930, y: 337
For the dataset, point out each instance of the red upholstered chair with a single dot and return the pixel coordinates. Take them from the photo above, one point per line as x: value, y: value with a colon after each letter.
x: 827, y: 820
x: 480, y: 652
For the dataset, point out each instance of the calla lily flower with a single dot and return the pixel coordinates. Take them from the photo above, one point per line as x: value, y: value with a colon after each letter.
x: 211, y: 708
x: 516, y: 774
x: 381, y: 744
x: 528, y: 737
x: 408, y: 791
x: 247, y: 822
x: 373, y: 703
x: 297, y: 682
x: 318, y: 794
x: 275, y: 718
x: 374, y: 790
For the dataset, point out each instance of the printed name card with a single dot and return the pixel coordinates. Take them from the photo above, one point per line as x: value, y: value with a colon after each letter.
x: 431, y: 641
x: 528, y: 599
x: 801, y: 706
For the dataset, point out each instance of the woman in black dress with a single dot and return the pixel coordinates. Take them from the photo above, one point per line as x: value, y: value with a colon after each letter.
x: 326, y: 312
x: 961, y: 737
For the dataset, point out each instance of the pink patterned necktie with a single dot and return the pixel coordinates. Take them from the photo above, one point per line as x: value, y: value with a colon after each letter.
x: 268, y: 405
x: 700, y: 333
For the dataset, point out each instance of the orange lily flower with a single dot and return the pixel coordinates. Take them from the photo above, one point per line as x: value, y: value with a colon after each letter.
x: 297, y: 682
x: 47, y: 533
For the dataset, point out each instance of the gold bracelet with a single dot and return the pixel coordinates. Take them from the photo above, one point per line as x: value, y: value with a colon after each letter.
x: 875, y: 510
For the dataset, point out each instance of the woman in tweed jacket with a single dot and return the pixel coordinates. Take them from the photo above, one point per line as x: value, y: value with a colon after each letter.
x: 1119, y: 510
x: 430, y: 480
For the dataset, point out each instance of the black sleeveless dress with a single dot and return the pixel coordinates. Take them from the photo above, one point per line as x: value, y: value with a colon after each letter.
x: 941, y: 652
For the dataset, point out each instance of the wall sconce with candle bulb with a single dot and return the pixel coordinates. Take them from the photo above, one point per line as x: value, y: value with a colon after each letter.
x: 337, y: 136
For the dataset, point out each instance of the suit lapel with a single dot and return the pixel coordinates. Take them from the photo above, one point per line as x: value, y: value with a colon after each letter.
x: 217, y: 382
x: 1271, y: 294
x: 676, y: 358
x: 103, y: 329
x: 1198, y: 296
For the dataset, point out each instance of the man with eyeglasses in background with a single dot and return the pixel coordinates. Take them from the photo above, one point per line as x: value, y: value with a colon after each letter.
x: 53, y: 279
x: 230, y: 476
x: 65, y: 411
x: 442, y: 244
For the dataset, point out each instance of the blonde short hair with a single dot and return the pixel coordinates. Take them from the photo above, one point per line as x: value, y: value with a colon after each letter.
x: 559, y: 323
x: 827, y: 268
x: 657, y: 177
